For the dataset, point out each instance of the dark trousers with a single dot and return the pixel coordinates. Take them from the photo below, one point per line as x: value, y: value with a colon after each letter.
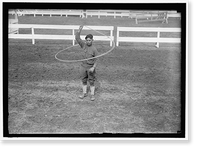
x: 87, y: 76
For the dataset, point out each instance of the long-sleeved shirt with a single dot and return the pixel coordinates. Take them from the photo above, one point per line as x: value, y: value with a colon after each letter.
x: 89, y: 52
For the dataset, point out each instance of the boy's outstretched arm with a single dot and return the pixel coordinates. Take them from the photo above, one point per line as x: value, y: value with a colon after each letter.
x: 78, y: 38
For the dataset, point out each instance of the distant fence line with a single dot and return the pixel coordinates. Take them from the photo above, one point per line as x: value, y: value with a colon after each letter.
x: 114, y: 13
x: 13, y: 30
x: 108, y: 38
x: 86, y: 13
x: 150, y: 17
x: 47, y: 12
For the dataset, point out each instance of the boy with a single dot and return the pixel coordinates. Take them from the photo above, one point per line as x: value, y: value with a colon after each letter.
x: 87, y: 67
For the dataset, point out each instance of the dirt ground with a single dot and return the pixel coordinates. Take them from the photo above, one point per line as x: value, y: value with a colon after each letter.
x: 138, y: 90
x: 138, y: 86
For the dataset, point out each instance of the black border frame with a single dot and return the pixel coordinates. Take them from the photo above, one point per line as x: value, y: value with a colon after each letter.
x: 180, y: 7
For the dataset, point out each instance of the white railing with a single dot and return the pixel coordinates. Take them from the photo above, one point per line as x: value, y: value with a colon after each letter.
x: 156, y: 40
x: 151, y: 16
x: 47, y: 12
x: 114, y: 13
x: 106, y: 37
x: 13, y: 30
x: 34, y: 36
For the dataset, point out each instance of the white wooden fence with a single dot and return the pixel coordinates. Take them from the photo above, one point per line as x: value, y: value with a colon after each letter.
x: 127, y: 13
x: 34, y: 36
x: 108, y: 38
x: 47, y: 12
x: 13, y: 30
x: 156, y: 40
x: 113, y: 13
x: 82, y: 13
x: 172, y: 14
x: 151, y: 16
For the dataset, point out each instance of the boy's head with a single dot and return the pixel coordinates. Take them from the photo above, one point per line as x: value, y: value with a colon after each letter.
x: 89, y: 39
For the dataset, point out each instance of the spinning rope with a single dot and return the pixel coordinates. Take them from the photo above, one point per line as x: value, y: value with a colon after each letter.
x: 70, y: 61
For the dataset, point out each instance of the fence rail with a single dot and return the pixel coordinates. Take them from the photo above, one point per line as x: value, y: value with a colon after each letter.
x: 156, y: 40
x: 13, y: 30
x: 86, y: 13
x: 149, y: 17
x: 114, y: 13
x: 34, y: 36
x: 47, y: 12
x: 109, y: 38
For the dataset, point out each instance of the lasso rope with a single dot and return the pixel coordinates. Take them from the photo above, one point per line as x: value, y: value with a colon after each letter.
x: 70, y: 61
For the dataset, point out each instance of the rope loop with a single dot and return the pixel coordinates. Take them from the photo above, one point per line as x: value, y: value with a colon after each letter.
x: 81, y: 60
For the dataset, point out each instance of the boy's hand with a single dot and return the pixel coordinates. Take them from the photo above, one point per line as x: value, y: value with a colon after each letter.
x: 91, y: 69
x: 81, y: 27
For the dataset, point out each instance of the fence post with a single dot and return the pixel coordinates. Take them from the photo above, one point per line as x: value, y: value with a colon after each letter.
x: 73, y: 35
x: 33, y: 40
x: 111, y: 35
x: 136, y: 21
x: 86, y: 14
x: 98, y: 14
x: 166, y: 18
x: 117, y: 44
x: 158, y: 36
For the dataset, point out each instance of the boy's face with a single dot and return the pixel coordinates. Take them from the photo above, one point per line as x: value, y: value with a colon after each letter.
x: 89, y: 41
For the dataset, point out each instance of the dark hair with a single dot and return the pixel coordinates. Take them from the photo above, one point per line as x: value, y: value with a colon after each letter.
x: 89, y: 36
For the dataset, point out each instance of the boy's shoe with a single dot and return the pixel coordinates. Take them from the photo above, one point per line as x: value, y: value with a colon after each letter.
x: 92, y: 98
x: 83, y: 96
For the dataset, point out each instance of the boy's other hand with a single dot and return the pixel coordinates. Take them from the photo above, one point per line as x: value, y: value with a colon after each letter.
x: 91, y: 69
